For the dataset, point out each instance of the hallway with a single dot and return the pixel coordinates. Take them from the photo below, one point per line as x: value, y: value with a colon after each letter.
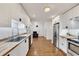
x: 43, y: 47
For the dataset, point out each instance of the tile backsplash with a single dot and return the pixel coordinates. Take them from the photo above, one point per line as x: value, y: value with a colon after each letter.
x: 5, y: 32
x: 63, y: 32
x: 74, y: 32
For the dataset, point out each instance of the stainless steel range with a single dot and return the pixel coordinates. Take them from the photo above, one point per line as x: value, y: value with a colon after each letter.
x: 73, y: 47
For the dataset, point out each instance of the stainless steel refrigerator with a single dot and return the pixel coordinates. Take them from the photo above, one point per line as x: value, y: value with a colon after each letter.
x: 56, y: 34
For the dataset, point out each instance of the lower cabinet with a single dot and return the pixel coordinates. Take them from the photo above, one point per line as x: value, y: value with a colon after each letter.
x: 20, y: 50
x: 63, y: 44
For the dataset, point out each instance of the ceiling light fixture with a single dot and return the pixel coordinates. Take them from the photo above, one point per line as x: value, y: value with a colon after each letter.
x: 47, y: 9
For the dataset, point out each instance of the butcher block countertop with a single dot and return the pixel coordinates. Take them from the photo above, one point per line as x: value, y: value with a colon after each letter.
x: 5, y: 46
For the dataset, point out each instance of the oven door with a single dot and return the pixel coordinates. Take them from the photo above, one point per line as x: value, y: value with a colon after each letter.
x: 73, y: 48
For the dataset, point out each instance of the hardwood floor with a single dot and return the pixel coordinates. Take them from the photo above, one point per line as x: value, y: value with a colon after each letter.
x: 43, y: 47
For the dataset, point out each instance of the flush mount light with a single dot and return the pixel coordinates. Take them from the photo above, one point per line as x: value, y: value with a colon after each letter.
x: 47, y: 9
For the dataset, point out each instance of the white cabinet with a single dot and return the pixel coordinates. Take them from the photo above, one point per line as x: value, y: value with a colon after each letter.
x: 63, y: 44
x: 14, y: 52
x: 20, y: 50
x: 24, y: 47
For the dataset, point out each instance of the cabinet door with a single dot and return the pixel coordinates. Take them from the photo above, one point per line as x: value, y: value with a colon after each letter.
x: 63, y: 44
x: 14, y: 52
x: 18, y: 51
x: 22, y: 49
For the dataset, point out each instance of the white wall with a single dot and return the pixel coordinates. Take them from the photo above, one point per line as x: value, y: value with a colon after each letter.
x: 44, y: 28
x: 48, y: 30
x: 65, y: 19
x: 10, y: 11
x: 39, y: 29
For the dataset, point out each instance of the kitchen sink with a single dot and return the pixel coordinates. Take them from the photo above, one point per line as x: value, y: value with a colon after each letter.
x: 17, y: 39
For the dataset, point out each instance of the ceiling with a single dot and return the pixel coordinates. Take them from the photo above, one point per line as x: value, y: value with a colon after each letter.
x: 36, y: 10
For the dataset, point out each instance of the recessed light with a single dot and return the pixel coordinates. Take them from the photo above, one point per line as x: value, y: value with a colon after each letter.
x: 47, y: 9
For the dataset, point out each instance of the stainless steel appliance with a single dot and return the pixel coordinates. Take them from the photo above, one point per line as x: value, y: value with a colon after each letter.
x: 56, y: 34
x: 73, y: 48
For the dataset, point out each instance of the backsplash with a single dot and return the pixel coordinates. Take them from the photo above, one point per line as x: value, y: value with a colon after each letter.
x: 16, y: 28
x: 63, y: 32
x: 74, y: 32
x: 5, y: 32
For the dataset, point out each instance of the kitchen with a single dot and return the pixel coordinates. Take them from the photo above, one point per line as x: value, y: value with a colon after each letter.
x: 57, y: 25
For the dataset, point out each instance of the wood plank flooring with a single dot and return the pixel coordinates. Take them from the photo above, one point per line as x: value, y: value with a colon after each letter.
x: 43, y: 47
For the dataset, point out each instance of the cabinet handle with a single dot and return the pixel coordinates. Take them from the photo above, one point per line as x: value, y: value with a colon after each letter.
x: 25, y: 41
